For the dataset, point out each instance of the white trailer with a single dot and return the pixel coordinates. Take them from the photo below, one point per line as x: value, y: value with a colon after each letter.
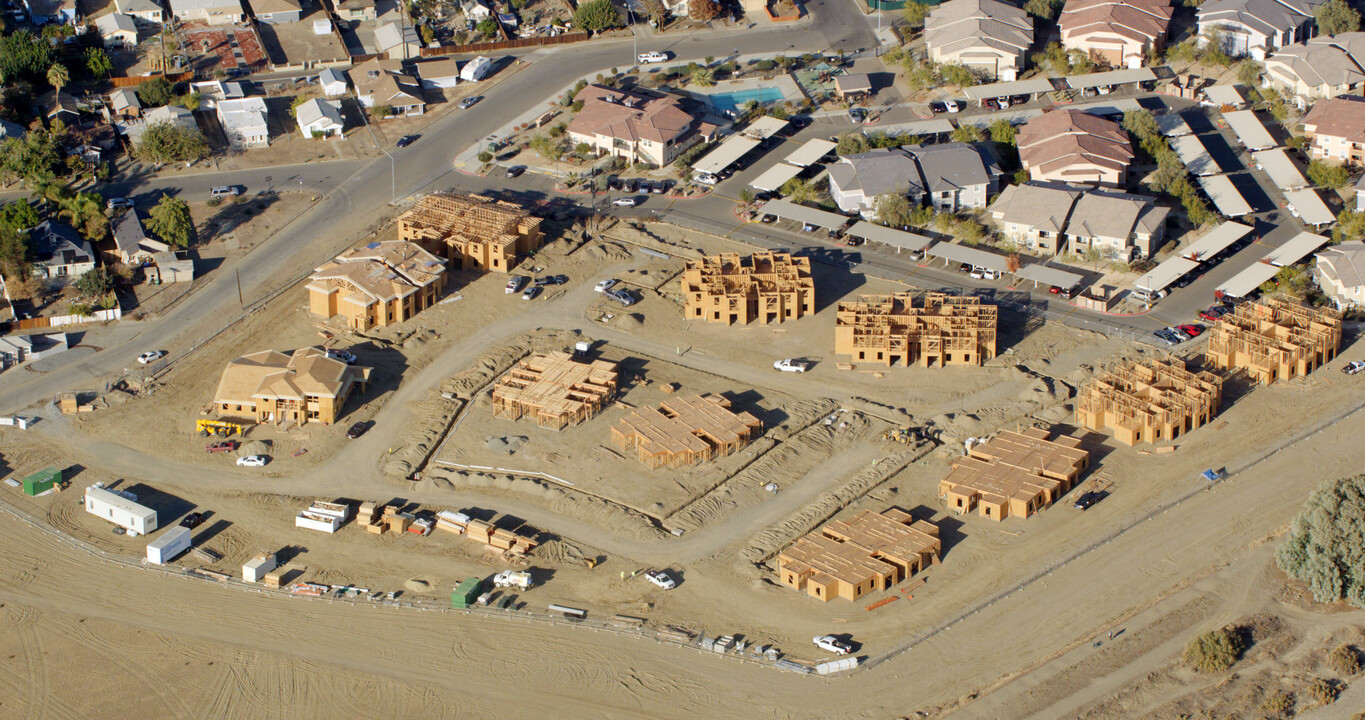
x: 169, y: 546
x: 476, y: 69
x: 313, y: 521
x: 258, y: 567
x: 119, y: 510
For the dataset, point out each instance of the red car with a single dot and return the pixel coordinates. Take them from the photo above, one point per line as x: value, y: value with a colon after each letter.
x: 1214, y: 313
x: 1192, y: 330
x: 224, y: 446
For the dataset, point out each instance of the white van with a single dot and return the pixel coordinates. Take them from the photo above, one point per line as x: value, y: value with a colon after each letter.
x: 651, y: 57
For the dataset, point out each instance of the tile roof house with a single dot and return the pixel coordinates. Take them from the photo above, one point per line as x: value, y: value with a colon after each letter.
x: 640, y: 128
x: 277, y: 12
x: 1335, y: 129
x: 384, y: 83
x: 244, y: 121
x: 1074, y: 146
x: 1054, y: 218
x: 380, y: 284
x: 145, y: 10
x: 320, y: 118
x: 59, y: 252
x: 271, y: 387
x: 1340, y: 272
x: 1257, y: 27
x: 986, y: 35
x: 131, y: 244
x: 213, y: 12
x: 117, y: 30
x: 1117, y: 33
x: 1322, y: 67
x: 950, y: 176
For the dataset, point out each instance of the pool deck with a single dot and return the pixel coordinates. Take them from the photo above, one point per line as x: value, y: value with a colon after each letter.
x: 790, y: 89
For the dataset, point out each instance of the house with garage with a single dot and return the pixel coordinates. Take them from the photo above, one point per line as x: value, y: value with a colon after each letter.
x: 399, y: 39
x: 117, y: 30
x: 148, y: 11
x: 1257, y: 27
x: 131, y: 245
x: 333, y: 83
x: 384, y: 83
x: 355, y: 10
x: 271, y: 387
x: 439, y: 73
x: 59, y: 252
x: 320, y: 118
x: 277, y: 12
x: 651, y: 129
x: 244, y: 121
x: 1115, y: 33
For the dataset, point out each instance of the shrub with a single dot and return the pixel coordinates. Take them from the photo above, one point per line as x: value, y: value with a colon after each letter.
x: 597, y: 16
x: 1277, y: 703
x: 1323, y: 691
x: 1326, y: 543
x: 1345, y: 660
x: 1213, y: 651
x: 1324, y: 175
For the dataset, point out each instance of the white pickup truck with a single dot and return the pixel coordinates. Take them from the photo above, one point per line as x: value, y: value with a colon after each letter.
x: 519, y: 579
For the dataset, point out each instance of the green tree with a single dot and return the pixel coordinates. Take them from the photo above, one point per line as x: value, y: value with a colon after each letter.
x: 701, y: 76
x: 798, y: 191
x: 1325, y: 546
x: 19, y: 215
x: 58, y: 76
x: 1325, y: 175
x: 1335, y: 17
x: 85, y: 212
x: 485, y: 157
x: 956, y: 74
x: 549, y: 148
x: 487, y: 27
x: 1350, y: 226
x: 155, y: 92
x: 1249, y: 73
x: 1045, y: 9
x: 22, y: 55
x: 164, y: 142
x: 296, y: 102
x: 98, y: 63
x: 16, y: 254
x: 95, y: 283
x: 893, y: 209
x: 1141, y: 124
x: 914, y: 14
x: 171, y: 221
x: 852, y: 143
x: 746, y: 196
x: 598, y: 16
x: 1002, y: 132
x: 37, y: 157
x: 967, y: 133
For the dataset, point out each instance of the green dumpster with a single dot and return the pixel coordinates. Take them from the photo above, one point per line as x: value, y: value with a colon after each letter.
x: 42, y: 481
x: 466, y: 593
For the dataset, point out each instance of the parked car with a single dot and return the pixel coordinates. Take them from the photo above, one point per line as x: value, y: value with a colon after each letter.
x: 661, y: 578
x: 1215, y: 313
x: 516, y: 171
x: 613, y: 183
x: 964, y: 267
x: 223, y: 191
x: 192, y: 520
x: 1353, y: 367
x: 345, y: 356
x: 768, y: 219
x: 857, y: 115
x: 659, y: 188
x: 630, y: 185
x: 708, y: 179
x: 953, y: 106
x: 938, y: 106
x: 605, y: 285
x: 470, y: 101
x: 406, y: 140
x: 552, y: 280
x: 116, y: 203
x: 1018, y: 99
x: 628, y: 201
x: 1089, y: 499
x: 980, y: 273
x: 515, y: 284
x: 1166, y: 336
x: 807, y: 227
x: 622, y: 296
x: 832, y: 644
x: 791, y: 365
x: 646, y: 58
x: 990, y: 103
x: 646, y: 186
x: 251, y: 461
x: 150, y: 356
x: 531, y: 292
x: 1191, y: 329
x: 221, y: 446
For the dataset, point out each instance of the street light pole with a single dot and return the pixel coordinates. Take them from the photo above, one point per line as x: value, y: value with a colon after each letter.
x: 630, y: 15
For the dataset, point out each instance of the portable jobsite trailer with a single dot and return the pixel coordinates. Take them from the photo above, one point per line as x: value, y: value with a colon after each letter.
x: 466, y: 593
x: 169, y: 546
x: 42, y: 481
x: 119, y: 510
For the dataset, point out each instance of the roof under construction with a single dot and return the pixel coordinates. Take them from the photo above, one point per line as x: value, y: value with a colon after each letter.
x: 1275, y: 339
x: 685, y: 430
x: 555, y: 389
x: 1147, y: 401
x: 767, y: 286
x: 867, y: 545
x: 472, y: 218
x: 944, y: 330
x: 1017, y: 469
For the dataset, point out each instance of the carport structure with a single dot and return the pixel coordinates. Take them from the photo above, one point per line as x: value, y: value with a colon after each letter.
x: 1244, y: 283
x: 1226, y: 95
x: 788, y: 210
x: 1250, y: 130
x: 1110, y: 78
x: 919, y: 127
x: 1216, y: 241
x: 1172, y: 125
x: 1281, y: 168
x: 1310, y: 208
x: 764, y: 127
x: 1224, y: 195
x: 775, y: 177
x: 1161, y: 276
x: 809, y: 153
x: 1042, y: 274
x: 898, y: 239
x: 1193, y: 153
x: 1033, y: 86
x: 734, y: 148
x: 950, y: 253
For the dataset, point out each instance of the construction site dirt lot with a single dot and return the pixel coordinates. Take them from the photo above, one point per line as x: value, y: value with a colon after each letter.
x: 1004, y: 627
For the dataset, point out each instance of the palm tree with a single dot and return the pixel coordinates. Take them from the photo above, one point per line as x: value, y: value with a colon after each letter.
x: 85, y: 212
x: 58, y: 76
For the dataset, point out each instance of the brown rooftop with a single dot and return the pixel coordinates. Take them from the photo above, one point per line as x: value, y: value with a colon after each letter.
x: 1149, y: 401
x: 630, y: 116
x: 1014, y: 473
x: 1342, y: 117
x: 555, y: 389
x: 870, y: 551
x: 685, y: 431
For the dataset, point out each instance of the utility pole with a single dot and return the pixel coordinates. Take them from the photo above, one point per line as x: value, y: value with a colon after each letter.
x: 241, y: 303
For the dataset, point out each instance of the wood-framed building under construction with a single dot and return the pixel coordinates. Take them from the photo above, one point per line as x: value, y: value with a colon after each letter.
x: 555, y: 390
x: 1149, y: 401
x: 474, y: 232
x: 891, y: 330
x: 1275, y: 339
x: 685, y: 431
x: 870, y: 551
x: 766, y: 286
x: 1014, y: 474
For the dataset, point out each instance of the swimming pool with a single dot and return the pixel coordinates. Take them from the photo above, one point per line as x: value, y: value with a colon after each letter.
x: 732, y: 101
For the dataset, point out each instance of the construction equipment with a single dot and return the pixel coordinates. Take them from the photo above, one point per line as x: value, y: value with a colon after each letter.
x: 591, y: 562
x: 904, y: 436
x: 217, y: 427
x: 513, y: 578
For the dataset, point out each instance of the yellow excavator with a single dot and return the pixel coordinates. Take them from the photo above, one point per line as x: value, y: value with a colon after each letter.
x: 217, y: 427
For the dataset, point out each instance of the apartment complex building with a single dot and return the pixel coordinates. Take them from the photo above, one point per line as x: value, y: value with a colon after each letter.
x: 891, y: 330
x: 1149, y: 401
x: 380, y: 284
x: 1335, y: 129
x: 685, y: 431
x: 729, y: 288
x: 1014, y: 474
x: 474, y: 232
x: 1275, y: 339
x: 555, y: 390
x: 1077, y: 147
x: 868, y: 552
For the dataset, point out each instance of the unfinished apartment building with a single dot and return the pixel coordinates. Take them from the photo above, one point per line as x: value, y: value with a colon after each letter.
x: 767, y: 286
x: 555, y: 390
x: 1014, y: 474
x: 890, y: 330
x: 685, y: 431
x: 1149, y: 401
x: 848, y: 559
x: 474, y: 232
x: 1275, y: 339
x: 380, y: 284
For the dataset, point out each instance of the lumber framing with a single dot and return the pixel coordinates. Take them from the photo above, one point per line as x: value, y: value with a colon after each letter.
x: 685, y: 431
x: 769, y: 287
x: 891, y: 330
x: 474, y: 232
x: 1275, y: 339
x: 1149, y: 401
x: 848, y: 559
x: 555, y: 390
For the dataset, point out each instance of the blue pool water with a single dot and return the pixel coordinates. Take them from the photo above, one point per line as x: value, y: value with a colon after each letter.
x: 732, y: 101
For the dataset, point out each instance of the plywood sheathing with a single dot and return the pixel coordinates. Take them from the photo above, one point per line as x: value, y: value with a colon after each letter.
x: 1149, y: 401
x: 685, y: 431
x: 476, y: 231
x: 767, y: 286
x: 871, y: 551
x: 1015, y: 474
x: 555, y: 390
x: 891, y: 330
x: 1275, y: 339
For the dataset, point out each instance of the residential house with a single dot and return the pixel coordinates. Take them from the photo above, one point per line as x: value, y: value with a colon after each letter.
x: 172, y: 114
x: 59, y: 105
x: 333, y: 82
x: 651, y: 129
x: 383, y: 83
x: 124, y: 105
x: 1074, y: 146
x: 1335, y: 129
x: 474, y: 232
x: 244, y: 121
x: 171, y: 267
x: 1257, y: 27
x: 1117, y: 33
x: 1340, y: 272
x: 439, y: 73
x: 377, y: 285
x: 1053, y: 218
x: 59, y: 252
x: 475, y: 10
x: 11, y: 130
x: 989, y: 36
x: 58, y: 12
x: 149, y: 11
x: 1035, y: 214
x: 271, y: 387
x: 131, y: 244
x: 117, y: 30
x: 951, y: 176
x: 277, y: 12
x: 212, y: 91
x: 320, y: 118
x: 1321, y: 67
x: 356, y: 10
x: 213, y: 12
x: 399, y: 39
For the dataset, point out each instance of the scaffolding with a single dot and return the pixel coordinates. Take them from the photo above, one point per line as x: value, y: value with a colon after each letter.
x: 767, y: 286
x: 555, y: 390
x: 685, y: 431
x: 476, y: 231
x: 1150, y: 401
x: 891, y: 330
x: 1275, y: 339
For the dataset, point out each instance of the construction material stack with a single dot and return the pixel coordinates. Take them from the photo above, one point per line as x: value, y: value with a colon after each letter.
x: 451, y: 521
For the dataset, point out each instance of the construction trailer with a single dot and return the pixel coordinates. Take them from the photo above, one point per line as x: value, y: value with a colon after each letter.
x: 255, y: 569
x: 1275, y: 339
x: 769, y: 287
x: 119, y: 509
x: 42, y: 481
x: 169, y: 546
x: 1014, y: 474
x: 1149, y: 401
x: 555, y: 390
x: 891, y: 330
x: 466, y: 593
x: 474, y: 232
x: 870, y: 551
x: 685, y: 431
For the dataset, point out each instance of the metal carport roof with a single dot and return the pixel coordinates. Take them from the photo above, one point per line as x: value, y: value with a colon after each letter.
x: 1299, y: 247
x: 724, y: 156
x: 898, y: 239
x: 1244, y: 283
x: 810, y: 152
x: 1281, y: 168
x: 1250, y: 131
x: 1013, y: 117
x: 1109, y: 107
x: 1167, y: 272
x: 1191, y: 151
x: 788, y: 210
x: 921, y: 127
x: 1056, y: 277
x: 764, y: 127
x: 1224, y: 195
x: 1225, y: 95
x: 775, y: 176
x: 963, y: 254
x: 1171, y: 125
x: 1017, y: 87
x: 1310, y: 207
x: 1111, y: 77
x: 1218, y: 240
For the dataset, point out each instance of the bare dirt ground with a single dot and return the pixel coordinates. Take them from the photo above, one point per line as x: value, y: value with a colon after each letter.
x: 1003, y: 628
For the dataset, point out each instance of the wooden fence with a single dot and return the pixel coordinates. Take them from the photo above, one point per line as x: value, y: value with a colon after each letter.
x: 505, y: 44
x: 121, y: 81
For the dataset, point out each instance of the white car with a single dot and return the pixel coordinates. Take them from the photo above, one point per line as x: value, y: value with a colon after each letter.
x: 708, y: 179
x: 223, y: 191
x: 605, y: 285
x: 624, y: 202
x: 646, y: 58
x: 791, y: 365
x: 661, y: 578
x: 150, y: 356
x: 832, y: 644
x: 1353, y: 367
x: 115, y: 203
x: 983, y: 274
x: 251, y: 461
x: 515, y: 284
x: 953, y: 106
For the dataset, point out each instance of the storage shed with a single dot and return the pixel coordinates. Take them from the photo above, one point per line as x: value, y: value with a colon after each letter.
x: 42, y: 481
x: 169, y: 546
x: 466, y: 593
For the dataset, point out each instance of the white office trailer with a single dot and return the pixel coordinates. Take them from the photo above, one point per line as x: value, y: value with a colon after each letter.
x: 169, y: 546
x: 258, y: 567
x: 119, y: 510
